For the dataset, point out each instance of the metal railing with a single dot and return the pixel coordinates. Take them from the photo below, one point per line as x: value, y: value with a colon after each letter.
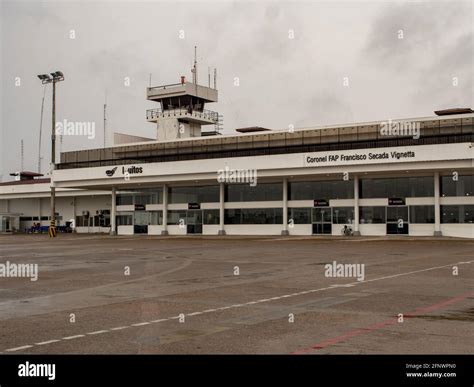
x: 184, y: 111
x: 164, y: 87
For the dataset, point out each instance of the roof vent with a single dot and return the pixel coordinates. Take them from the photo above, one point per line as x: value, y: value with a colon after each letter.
x: 449, y: 112
x: 252, y: 129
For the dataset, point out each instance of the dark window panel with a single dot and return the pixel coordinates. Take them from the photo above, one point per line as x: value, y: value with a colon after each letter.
x: 309, y: 190
x: 368, y: 215
x: 247, y: 193
x: 422, y: 214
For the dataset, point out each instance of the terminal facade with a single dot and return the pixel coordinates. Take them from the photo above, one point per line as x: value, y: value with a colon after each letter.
x: 311, y: 181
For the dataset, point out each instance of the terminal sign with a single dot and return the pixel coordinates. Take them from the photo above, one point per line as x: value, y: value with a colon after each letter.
x: 396, y: 201
x: 345, y: 157
x: 194, y: 206
x: 133, y: 170
x: 321, y: 203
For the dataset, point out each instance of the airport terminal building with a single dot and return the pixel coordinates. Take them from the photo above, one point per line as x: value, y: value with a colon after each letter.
x: 403, y: 177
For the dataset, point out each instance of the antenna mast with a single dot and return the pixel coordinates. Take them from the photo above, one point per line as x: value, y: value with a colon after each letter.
x: 105, y: 119
x: 41, y: 129
x: 195, y: 74
x: 22, y: 152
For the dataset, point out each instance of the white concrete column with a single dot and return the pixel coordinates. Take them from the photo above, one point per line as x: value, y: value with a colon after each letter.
x: 113, y: 212
x: 221, y: 209
x: 165, y: 210
x: 437, y: 208
x: 356, y: 205
x: 284, y: 231
x: 74, y: 214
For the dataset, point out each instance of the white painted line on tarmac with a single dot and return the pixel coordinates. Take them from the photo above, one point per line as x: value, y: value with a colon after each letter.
x: 140, y: 324
x: 98, y: 332
x: 72, y: 337
x: 403, y: 274
x: 18, y: 348
x: 47, y: 342
x: 160, y: 320
x: 343, y: 285
x: 120, y: 328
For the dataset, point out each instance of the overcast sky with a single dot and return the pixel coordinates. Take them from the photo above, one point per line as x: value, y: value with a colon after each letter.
x: 400, y: 59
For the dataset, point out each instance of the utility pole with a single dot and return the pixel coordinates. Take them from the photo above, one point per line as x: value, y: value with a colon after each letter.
x: 53, y: 78
x: 53, y: 163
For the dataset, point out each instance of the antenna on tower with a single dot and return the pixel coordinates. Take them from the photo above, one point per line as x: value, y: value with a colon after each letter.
x: 22, y: 152
x: 105, y: 118
x: 195, y: 76
x: 209, y: 76
x: 215, y: 79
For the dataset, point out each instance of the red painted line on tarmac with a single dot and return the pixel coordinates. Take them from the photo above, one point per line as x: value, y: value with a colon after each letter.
x: 357, y: 332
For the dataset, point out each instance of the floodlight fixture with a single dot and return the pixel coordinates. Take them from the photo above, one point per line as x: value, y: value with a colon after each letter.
x: 45, y: 78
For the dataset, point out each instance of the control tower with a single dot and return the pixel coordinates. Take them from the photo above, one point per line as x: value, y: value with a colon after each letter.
x: 181, y: 112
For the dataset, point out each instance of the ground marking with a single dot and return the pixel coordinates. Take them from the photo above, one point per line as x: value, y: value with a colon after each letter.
x: 18, y: 348
x: 392, y: 321
x: 47, y: 342
x: 119, y: 328
x: 72, y: 337
x: 98, y: 332
x: 140, y: 324
x: 248, y: 303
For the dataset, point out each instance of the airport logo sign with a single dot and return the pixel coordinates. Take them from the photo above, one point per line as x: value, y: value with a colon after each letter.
x: 110, y: 172
x: 126, y: 171
x: 133, y: 170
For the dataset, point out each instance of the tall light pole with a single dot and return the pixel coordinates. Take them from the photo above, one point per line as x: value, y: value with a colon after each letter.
x: 53, y: 78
